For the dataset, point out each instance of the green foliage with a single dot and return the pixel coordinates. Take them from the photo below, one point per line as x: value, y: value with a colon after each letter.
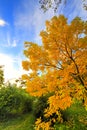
x: 1, y: 76
x: 14, y: 101
x: 39, y: 106
x: 76, y: 118
x: 62, y: 67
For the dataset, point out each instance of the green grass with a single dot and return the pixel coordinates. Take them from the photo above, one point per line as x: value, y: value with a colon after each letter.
x: 76, y: 119
x: 24, y: 122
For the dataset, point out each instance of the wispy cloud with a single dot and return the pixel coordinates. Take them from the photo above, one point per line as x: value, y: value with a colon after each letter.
x: 14, y: 43
x: 31, y: 20
x: 9, y: 42
x: 73, y: 9
x: 3, y: 22
x: 38, y: 20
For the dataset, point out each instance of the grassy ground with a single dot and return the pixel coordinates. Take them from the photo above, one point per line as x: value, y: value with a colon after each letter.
x: 24, y: 122
x: 76, y: 117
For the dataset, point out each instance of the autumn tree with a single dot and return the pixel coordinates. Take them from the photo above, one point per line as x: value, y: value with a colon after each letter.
x: 59, y: 66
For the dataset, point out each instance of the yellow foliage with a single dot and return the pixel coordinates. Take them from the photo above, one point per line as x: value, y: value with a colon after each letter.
x: 42, y: 125
x: 59, y: 65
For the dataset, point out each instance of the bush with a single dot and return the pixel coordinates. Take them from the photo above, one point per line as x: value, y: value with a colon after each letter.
x: 39, y: 106
x: 14, y: 101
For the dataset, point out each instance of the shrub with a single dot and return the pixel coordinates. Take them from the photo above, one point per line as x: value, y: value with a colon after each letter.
x: 39, y: 106
x: 14, y: 101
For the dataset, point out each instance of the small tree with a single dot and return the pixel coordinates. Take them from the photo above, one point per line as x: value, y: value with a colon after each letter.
x: 1, y: 75
x: 59, y: 65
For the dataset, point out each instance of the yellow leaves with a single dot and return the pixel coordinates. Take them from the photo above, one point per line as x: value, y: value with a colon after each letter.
x: 60, y: 101
x: 50, y: 77
x: 25, y: 77
x: 61, y: 61
x: 79, y: 92
x: 42, y: 125
x: 25, y: 65
x: 36, y: 85
x: 50, y: 111
x: 56, y: 103
x: 35, y: 55
x: 38, y: 121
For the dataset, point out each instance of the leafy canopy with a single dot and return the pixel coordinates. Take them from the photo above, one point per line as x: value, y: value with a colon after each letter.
x: 59, y: 65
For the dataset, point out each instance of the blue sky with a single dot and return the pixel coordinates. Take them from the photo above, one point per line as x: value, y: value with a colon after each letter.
x: 22, y: 20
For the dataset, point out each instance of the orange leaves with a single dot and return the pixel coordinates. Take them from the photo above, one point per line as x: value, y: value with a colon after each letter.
x: 61, y: 63
x: 60, y: 101
x: 25, y: 65
x: 42, y: 125
x: 25, y: 77
x: 36, y: 86
x: 60, y: 43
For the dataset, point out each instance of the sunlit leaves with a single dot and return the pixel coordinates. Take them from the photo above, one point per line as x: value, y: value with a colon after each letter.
x: 42, y: 125
x: 59, y: 65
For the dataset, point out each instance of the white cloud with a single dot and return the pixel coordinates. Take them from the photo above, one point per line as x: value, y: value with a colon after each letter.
x: 12, y: 66
x: 2, y: 22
